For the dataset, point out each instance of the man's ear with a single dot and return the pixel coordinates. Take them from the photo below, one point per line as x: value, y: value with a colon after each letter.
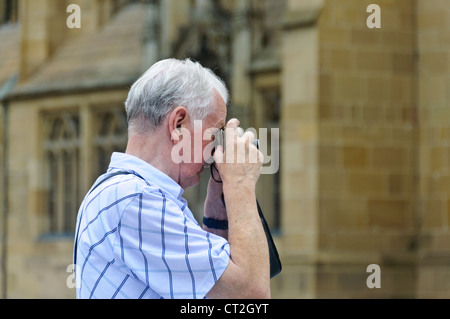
x: 178, y: 119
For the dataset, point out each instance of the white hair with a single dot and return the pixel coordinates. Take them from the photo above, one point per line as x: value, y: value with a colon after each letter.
x: 170, y: 83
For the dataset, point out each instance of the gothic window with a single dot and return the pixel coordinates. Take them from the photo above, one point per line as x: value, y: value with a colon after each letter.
x: 117, y: 5
x: 8, y: 11
x: 110, y: 136
x: 62, y: 152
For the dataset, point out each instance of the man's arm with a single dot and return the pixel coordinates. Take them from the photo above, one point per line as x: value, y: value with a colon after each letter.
x: 248, y: 272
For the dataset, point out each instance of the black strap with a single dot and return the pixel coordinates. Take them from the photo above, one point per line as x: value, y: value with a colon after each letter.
x: 275, y: 262
x: 215, y: 224
x: 109, y: 177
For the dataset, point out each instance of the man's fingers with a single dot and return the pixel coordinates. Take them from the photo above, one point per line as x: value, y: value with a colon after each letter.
x: 233, y: 123
x: 249, y: 136
x: 240, y: 132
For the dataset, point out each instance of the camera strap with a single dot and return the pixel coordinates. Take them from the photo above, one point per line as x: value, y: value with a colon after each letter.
x: 275, y: 262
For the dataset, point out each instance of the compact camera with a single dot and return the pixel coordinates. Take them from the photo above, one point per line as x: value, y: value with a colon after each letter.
x: 219, y: 137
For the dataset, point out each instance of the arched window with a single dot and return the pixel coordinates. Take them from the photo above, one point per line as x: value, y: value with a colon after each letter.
x: 8, y: 11
x: 62, y: 149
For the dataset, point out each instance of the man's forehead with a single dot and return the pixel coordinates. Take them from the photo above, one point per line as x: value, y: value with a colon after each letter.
x: 217, y: 118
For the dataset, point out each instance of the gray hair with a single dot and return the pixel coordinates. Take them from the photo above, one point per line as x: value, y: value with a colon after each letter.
x: 170, y: 83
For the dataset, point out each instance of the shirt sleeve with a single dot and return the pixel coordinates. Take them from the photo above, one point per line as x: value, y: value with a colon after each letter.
x: 166, y: 249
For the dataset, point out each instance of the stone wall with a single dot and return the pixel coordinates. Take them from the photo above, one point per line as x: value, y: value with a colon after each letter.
x: 368, y: 146
x: 433, y: 98
x: 364, y: 133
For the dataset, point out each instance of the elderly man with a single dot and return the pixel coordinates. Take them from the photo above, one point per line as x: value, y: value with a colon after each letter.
x: 136, y: 237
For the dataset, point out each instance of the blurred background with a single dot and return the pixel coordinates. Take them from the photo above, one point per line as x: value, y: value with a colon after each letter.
x: 364, y: 121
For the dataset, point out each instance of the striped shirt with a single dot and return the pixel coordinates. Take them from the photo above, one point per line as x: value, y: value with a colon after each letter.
x: 137, y: 238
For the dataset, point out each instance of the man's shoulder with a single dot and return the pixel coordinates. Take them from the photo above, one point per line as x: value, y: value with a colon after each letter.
x: 130, y: 182
x: 127, y: 187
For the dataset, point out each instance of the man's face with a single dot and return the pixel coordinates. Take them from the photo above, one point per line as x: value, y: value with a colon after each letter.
x: 190, y: 172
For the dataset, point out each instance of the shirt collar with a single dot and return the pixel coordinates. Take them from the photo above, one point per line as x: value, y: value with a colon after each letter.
x: 150, y: 173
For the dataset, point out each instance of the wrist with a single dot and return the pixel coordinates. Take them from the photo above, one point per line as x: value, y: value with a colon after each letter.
x: 215, y: 208
x: 237, y: 189
x: 213, y: 198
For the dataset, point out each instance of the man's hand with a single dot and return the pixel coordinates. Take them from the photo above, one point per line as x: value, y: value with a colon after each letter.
x: 239, y: 169
x: 244, y: 166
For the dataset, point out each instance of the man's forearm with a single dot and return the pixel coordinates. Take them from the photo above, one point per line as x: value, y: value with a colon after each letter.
x: 248, y: 243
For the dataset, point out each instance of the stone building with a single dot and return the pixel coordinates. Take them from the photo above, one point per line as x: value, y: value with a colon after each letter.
x: 363, y: 117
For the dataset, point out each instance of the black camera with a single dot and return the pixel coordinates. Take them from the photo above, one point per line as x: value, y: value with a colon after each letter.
x: 219, y: 137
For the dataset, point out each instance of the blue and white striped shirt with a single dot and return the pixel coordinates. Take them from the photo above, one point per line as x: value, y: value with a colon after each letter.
x: 136, y: 238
